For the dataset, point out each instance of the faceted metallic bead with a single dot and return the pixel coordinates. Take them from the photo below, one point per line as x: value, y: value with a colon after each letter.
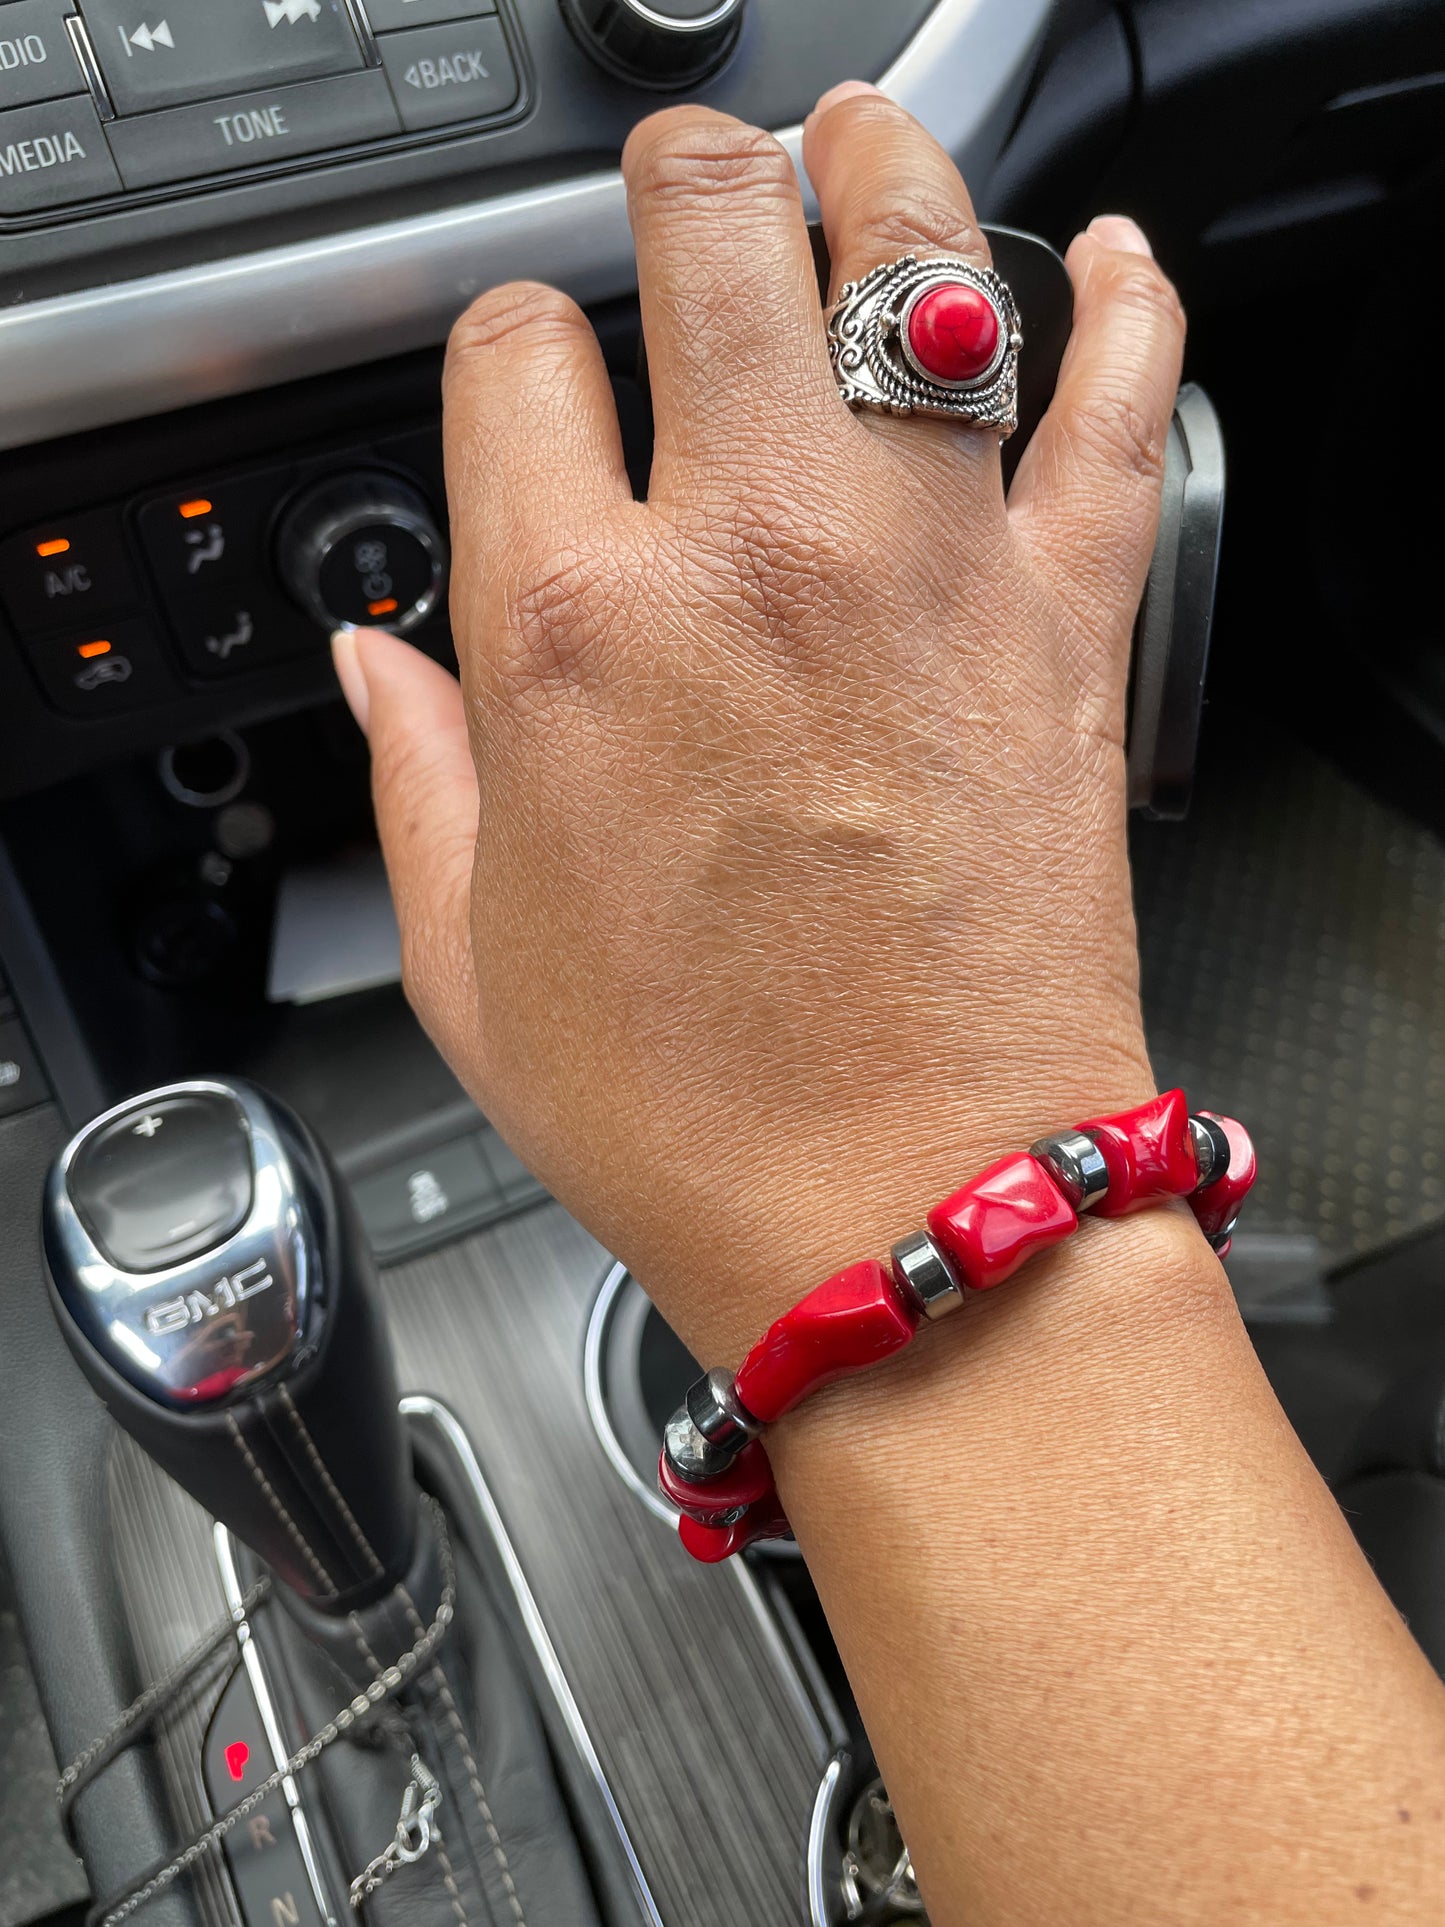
x: 1220, y: 1240
x: 689, y: 1453
x: 926, y: 1276
x: 719, y: 1414
x: 1211, y: 1150
x: 1077, y: 1166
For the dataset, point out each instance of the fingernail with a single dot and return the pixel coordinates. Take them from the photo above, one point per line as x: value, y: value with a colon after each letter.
x: 351, y: 676
x: 1118, y: 231
x: 845, y: 90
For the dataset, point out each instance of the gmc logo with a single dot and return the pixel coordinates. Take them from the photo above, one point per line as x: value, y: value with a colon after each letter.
x: 173, y: 1315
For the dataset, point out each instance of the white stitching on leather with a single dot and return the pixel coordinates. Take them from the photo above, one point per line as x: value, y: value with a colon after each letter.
x: 499, y: 1852
x: 318, y: 1464
x: 293, y: 1531
x: 444, y: 1691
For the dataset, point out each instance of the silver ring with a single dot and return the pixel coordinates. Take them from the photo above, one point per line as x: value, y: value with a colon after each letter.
x: 894, y: 345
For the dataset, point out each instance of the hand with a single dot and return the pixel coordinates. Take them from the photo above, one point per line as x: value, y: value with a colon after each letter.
x: 766, y: 874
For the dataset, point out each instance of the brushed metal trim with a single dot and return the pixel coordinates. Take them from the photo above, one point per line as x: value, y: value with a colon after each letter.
x: 421, y: 1405
x: 597, y: 1322
x: 167, y: 340
x: 266, y: 1706
x: 820, y: 1913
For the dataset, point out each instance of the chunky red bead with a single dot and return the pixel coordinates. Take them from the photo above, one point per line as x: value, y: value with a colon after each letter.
x: 712, y: 1544
x: 1000, y: 1218
x: 1149, y: 1153
x: 1217, y: 1205
x: 953, y: 332
x: 748, y: 1479
x: 849, y: 1322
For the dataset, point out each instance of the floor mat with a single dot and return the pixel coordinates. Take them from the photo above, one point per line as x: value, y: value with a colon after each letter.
x: 1292, y: 931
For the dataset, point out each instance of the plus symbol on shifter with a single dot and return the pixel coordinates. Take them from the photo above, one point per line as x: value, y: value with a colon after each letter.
x: 148, y: 1125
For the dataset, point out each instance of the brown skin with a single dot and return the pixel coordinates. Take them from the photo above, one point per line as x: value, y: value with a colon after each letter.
x: 765, y: 877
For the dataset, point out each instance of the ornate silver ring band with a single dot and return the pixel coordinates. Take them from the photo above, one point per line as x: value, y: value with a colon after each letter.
x: 936, y: 336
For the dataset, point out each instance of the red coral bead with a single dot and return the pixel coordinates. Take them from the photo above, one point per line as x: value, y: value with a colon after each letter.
x: 748, y: 1479
x: 1000, y: 1218
x: 712, y: 1544
x: 953, y: 332
x: 1217, y: 1205
x: 852, y: 1320
x: 1149, y: 1154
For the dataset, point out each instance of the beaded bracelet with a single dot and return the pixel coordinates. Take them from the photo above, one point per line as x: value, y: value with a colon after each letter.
x: 713, y: 1468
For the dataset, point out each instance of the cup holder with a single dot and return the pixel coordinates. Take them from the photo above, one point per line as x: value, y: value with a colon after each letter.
x: 637, y: 1371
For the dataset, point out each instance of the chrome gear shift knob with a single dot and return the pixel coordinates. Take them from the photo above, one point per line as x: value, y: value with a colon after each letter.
x: 213, y: 1284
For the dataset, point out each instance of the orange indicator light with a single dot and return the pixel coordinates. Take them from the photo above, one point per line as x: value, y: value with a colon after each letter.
x: 388, y: 606
x: 89, y: 649
x: 57, y: 547
x: 190, y: 510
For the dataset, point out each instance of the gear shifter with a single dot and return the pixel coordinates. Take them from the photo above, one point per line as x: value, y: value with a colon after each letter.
x: 216, y: 1290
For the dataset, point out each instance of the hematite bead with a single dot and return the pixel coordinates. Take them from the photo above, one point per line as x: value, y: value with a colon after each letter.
x: 719, y: 1414
x: 926, y: 1276
x: 1077, y: 1166
x: 1211, y: 1149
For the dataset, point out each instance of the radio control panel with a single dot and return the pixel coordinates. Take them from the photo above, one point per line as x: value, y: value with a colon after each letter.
x: 101, y: 99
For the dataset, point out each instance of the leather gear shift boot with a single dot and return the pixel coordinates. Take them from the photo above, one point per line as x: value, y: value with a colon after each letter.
x: 503, y: 1851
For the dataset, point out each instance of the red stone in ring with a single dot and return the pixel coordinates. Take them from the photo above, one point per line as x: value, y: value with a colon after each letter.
x: 953, y: 332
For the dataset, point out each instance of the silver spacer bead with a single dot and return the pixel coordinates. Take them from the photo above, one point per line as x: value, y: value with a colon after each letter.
x: 719, y: 1414
x: 926, y: 1276
x: 1076, y: 1165
x: 1211, y: 1149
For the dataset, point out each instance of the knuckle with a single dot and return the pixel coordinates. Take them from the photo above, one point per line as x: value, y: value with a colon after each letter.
x: 565, y: 597
x: 1141, y: 285
x: 795, y: 574
x: 1131, y: 437
x: 893, y: 226
x: 690, y: 161
x: 526, y: 310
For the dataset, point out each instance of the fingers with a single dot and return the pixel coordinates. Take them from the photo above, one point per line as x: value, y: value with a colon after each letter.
x: 1086, y: 494
x: 885, y: 187
x: 529, y: 422
x: 730, y: 308
x: 425, y: 790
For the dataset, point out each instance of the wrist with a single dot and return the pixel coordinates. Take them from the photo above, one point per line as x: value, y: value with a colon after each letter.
x: 1120, y: 1305
x: 1024, y: 1205
x: 724, y: 1264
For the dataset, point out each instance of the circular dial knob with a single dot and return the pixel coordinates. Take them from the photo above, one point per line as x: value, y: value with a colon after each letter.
x: 363, y: 548
x: 659, y: 43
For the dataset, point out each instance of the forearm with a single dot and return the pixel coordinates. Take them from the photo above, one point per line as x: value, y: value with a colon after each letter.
x: 1130, y: 1664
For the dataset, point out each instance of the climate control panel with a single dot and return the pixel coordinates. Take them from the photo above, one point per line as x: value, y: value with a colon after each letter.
x: 123, y: 607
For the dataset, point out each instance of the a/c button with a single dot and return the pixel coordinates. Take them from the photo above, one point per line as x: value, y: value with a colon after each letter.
x: 252, y: 130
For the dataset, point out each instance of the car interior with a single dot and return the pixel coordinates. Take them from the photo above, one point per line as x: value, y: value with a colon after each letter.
x: 335, y: 1579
